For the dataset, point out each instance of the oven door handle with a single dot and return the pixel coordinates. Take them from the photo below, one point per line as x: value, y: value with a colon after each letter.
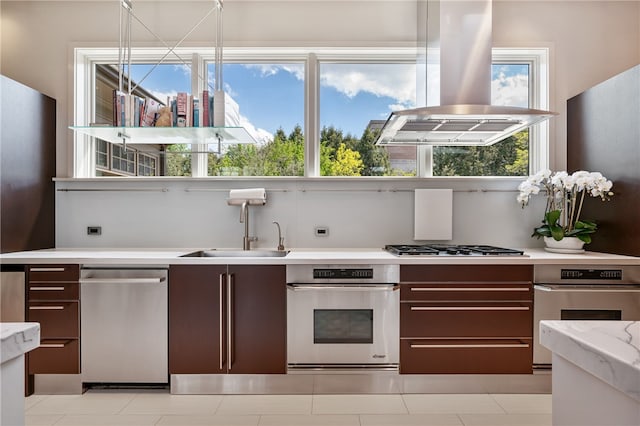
x: 346, y: 287
x: 587, y: 288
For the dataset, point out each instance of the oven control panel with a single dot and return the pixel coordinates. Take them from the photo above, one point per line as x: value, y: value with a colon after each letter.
x: 591, y: 274
x: 347, y: 274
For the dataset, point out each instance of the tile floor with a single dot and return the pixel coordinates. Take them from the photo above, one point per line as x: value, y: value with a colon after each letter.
x: 160, y: 408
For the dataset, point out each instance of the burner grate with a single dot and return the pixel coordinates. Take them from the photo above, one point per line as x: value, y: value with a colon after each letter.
x: 450, y: 250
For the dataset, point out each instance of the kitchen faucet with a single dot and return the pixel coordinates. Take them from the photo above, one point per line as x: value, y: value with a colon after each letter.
x: 244, y: 218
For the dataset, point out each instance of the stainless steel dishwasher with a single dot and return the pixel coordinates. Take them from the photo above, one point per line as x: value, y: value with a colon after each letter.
x: 124, y: 325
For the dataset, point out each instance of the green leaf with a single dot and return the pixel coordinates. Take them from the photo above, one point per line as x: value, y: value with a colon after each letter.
x: 557, y: 232
x: 552, y: 217
x: 586, y: 238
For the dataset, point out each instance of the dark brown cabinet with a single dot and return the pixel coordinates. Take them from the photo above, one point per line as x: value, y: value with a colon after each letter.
x: 227, y: 319
x: 475, y: 319
x: 53, y: 300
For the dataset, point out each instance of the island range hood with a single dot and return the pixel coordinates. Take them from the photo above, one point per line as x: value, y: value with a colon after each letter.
x: 465, y: 116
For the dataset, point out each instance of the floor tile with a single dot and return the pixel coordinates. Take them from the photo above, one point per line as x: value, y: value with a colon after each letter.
x: 164, y: 404
x: 109, y: 420
x: 520, y: 404
x: 32, y: 400
x: 452, y: 404
x: 41, y: 420
x: 358, y: 404
x: 265, y: 404
x: 506, y: 419
x: 410, y: 420
x: 310, y: 420
x: 214, y: 420
x: 87, y: 404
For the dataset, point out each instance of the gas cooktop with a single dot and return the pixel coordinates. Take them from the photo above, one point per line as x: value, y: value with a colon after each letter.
x: 450, y: 250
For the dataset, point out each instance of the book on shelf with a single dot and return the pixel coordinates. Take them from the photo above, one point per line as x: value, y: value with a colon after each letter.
x: 205, y: 108
x: 150, y: 114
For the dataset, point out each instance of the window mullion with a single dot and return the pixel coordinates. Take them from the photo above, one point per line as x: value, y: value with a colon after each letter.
x: 312, y: 117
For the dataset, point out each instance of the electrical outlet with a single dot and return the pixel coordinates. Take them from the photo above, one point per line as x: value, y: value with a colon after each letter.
x: 94, y: 230
x: 322, y: 231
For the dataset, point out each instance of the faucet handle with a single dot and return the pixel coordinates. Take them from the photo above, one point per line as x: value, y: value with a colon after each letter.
x: 280, y: 238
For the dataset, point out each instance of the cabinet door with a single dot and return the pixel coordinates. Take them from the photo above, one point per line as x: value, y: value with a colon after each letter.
x: 258, y: 316
x: 196, y: 331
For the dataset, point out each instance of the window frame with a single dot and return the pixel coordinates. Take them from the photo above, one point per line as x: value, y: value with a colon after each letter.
x: 84, y: 90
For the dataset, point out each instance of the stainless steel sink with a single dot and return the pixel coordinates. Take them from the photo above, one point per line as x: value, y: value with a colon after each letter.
x: 237, y: 253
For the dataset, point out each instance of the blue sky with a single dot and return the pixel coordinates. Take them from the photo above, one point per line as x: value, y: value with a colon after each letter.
x: 270, y: 96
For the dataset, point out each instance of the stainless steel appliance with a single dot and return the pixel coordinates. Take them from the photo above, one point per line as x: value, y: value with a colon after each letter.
x: 583, y: 292
x: 343, y: 316
x: 124, y: 323
x: 450, y: 250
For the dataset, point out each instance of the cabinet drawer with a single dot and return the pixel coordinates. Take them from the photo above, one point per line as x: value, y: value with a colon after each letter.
x: 466, y: 273
x: 53, y: 272
x: 57, y: 319
x: 55, y: 356
x: 488, y: 291
x: 466, y: 356
x: 53, y: 291
x: 466, y: 319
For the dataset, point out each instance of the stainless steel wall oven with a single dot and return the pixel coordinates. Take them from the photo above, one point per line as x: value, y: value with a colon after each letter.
x: 583, y: 292
x: 342, y: 316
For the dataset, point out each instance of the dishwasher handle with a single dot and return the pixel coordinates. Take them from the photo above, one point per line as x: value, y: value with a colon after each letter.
x: 584, y: 288
x: 157, y: 280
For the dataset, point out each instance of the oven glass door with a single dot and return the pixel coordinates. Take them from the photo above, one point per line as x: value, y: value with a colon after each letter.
x: 584, y: 302
x: 350, y: 325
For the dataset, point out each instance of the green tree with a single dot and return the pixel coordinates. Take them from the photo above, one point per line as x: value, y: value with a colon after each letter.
x: 375, y: 159
x: 346, y: 162
x: 177, y: 160
x: 505, y: 158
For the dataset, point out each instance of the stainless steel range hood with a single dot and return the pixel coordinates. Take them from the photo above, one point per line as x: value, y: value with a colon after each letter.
x: 465, y: 116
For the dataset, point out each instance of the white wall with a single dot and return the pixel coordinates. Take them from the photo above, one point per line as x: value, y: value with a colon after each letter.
x: 591, y: 41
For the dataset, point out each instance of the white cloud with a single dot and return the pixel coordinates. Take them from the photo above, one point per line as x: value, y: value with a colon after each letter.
x: 267, y: 70
x: 510, y: 91
x: 233, y: 117
x: 394, y: 81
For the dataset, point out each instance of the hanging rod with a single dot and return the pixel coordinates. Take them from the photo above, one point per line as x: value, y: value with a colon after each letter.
x: 113, y: 190
x: 228, y: 189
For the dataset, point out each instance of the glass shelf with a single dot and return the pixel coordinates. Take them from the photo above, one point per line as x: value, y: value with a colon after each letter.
x: 168, y: 135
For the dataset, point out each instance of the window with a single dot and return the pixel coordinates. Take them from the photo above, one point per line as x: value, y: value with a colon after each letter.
x: 312, y: 112
x: 355, y: 101
x: 267, y: 99
x: 510, y: 86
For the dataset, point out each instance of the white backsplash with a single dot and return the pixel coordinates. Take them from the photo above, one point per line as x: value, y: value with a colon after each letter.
x: 194, y: 214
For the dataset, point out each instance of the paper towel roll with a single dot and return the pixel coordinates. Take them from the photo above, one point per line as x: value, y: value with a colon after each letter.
x: 252, y: 195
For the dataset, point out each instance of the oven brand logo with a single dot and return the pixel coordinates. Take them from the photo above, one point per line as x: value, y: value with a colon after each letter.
x: 379, y: 356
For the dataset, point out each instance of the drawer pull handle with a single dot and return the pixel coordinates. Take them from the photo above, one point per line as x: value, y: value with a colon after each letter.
x: 47, y: 269
x: 122, y: 280
x: 469, y: 289
x: 46, y: 288
x: 467, y: 345
x: 469, y: 308
x: 46, y: 308
x: 52, y: 345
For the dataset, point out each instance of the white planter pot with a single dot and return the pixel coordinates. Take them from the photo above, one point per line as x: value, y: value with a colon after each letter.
x: 565, y: 245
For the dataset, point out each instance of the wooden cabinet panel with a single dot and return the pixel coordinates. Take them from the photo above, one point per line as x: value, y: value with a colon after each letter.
x: 259, y: 319
x: 55, y: 356
x: 465, y: 319
x: 467, y: 356
x: 41, y: 290
x: 50, y: 273
x: 58, y: 319
x: 195, y: 311
x: 480, y: 291
x: 208, y: 324
x: 53, y: 300
x: 465, y: 273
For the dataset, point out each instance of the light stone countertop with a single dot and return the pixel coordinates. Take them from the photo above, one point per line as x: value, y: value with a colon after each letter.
x: 18, y: 338
x: 609, y: 350
x: 168, y: 256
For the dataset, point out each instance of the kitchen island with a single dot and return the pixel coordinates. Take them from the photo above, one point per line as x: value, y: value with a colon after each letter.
x: 17, y: 339
x: 596, y: 371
